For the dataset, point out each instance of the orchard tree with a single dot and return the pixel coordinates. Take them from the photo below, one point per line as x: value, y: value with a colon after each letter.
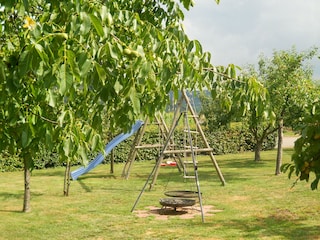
x: 67, y: 66
x: 289, y: 83
x: 285, y: 89
x: 242, y: 96
x: 275, y: 94
x: 258, y: 116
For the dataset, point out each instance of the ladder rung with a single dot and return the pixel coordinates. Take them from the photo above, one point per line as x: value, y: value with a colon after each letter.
x: 149, y: 146
x: 189, y: 177
x: 191, y: 131
x: 194, y: 116
x: 189, y: 147
x: 188, y: 150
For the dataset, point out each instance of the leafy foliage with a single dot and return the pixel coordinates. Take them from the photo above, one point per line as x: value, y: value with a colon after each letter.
x: 242, y: 97
x: 216, y: 116
x: 278, y: 91
x: 73, y: 60
x: 306, y: 157
x: 68, y: 66
x: 288, y: 80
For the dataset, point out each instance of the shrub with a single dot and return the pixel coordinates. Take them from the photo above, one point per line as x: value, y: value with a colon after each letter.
x: 222, y: 141
x: 10, y: 163
x: 235, y: 140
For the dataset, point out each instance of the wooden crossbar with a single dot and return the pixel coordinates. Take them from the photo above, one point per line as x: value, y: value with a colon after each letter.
x: 188, y: 150
x: 196, y: 132
x: 149, y: 146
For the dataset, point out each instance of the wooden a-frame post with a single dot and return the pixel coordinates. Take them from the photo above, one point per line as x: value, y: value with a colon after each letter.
x: 137, y: 145
x: 174, y: 124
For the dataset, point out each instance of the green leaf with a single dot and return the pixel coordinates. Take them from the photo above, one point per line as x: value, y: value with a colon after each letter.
x: 112, y: 51
x: 314, y: 184
x: 61, y: 118
x: 2, y: 71
x: 117, y: 87
x: 67, y: 146
x: 145, y: 69
x: 63, y: 35
x: 71, y: 57
x: 85, y: 26
x: 52, y: 98
x: 96, y: 121
x: 83, y: 154
x: 104, y: 94
x: 42, y: 54
x: 135, y: 101
x: 109, y: 19
x: 188, y: 3
x: 26, y: 4
x: 24, y: 62
x: 65, y: 80
x: 88, y: 134
x: 285, y: 167
x: 104, y: 13
x: 29, y: 163
x: 97, y: 25
x: 25, y: 138
x: 101, y: 72
x: 95, y: 142
x: 84, y: 66
x: 291, y: 170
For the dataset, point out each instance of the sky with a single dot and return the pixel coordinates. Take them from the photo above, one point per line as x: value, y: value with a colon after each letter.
x: 239, y: 31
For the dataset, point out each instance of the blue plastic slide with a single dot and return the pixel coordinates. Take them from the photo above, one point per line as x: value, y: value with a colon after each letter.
x: 112, y: 144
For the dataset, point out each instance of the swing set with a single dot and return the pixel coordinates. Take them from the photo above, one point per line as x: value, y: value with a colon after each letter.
x: 175, y: 198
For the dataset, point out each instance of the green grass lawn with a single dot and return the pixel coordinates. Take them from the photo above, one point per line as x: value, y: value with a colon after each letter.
x: 255, y: 204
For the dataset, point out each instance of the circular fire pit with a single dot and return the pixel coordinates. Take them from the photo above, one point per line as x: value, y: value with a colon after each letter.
x: 176, y: 202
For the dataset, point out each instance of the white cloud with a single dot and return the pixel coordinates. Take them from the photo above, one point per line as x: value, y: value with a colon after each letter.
x: 238, y: 31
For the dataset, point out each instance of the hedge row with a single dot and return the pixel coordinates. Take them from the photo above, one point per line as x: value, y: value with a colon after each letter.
x: 222, y: 142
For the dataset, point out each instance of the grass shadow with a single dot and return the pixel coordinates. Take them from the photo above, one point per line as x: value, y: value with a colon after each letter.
x: 84, y: 186
x: 6, y: 195
x: 283, y: 224
x: 243, y: 163
x: 93, y: 175
x: 11, y: 211
x: 44, y: 173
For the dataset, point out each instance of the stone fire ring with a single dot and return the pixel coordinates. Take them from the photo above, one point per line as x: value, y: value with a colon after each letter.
x: 177, y: 202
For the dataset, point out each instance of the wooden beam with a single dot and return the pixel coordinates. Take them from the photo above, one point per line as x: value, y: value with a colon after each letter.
x: 188, y: 150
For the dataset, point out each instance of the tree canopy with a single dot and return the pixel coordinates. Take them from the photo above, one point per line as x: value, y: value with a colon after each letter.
x: 67, y: 66
x: 279, y: 90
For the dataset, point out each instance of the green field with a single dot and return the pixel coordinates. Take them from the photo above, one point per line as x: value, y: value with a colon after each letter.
x: 255, y: 204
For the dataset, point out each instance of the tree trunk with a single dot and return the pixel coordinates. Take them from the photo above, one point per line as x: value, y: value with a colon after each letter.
x: 112, y: 162
x: 66, y: 186
x: 257, y: 151
x: 279, y: 152
x: 27, y: 194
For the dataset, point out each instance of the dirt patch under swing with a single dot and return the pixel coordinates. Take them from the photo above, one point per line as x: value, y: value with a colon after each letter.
x: 163, y: 213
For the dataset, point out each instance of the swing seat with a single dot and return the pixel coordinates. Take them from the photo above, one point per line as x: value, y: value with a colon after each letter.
x: 169, y: 163
x: 182, y: 194
x: 177, y: 202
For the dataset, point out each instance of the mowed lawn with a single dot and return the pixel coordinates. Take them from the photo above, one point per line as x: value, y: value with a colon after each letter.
x: 254, y: 204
